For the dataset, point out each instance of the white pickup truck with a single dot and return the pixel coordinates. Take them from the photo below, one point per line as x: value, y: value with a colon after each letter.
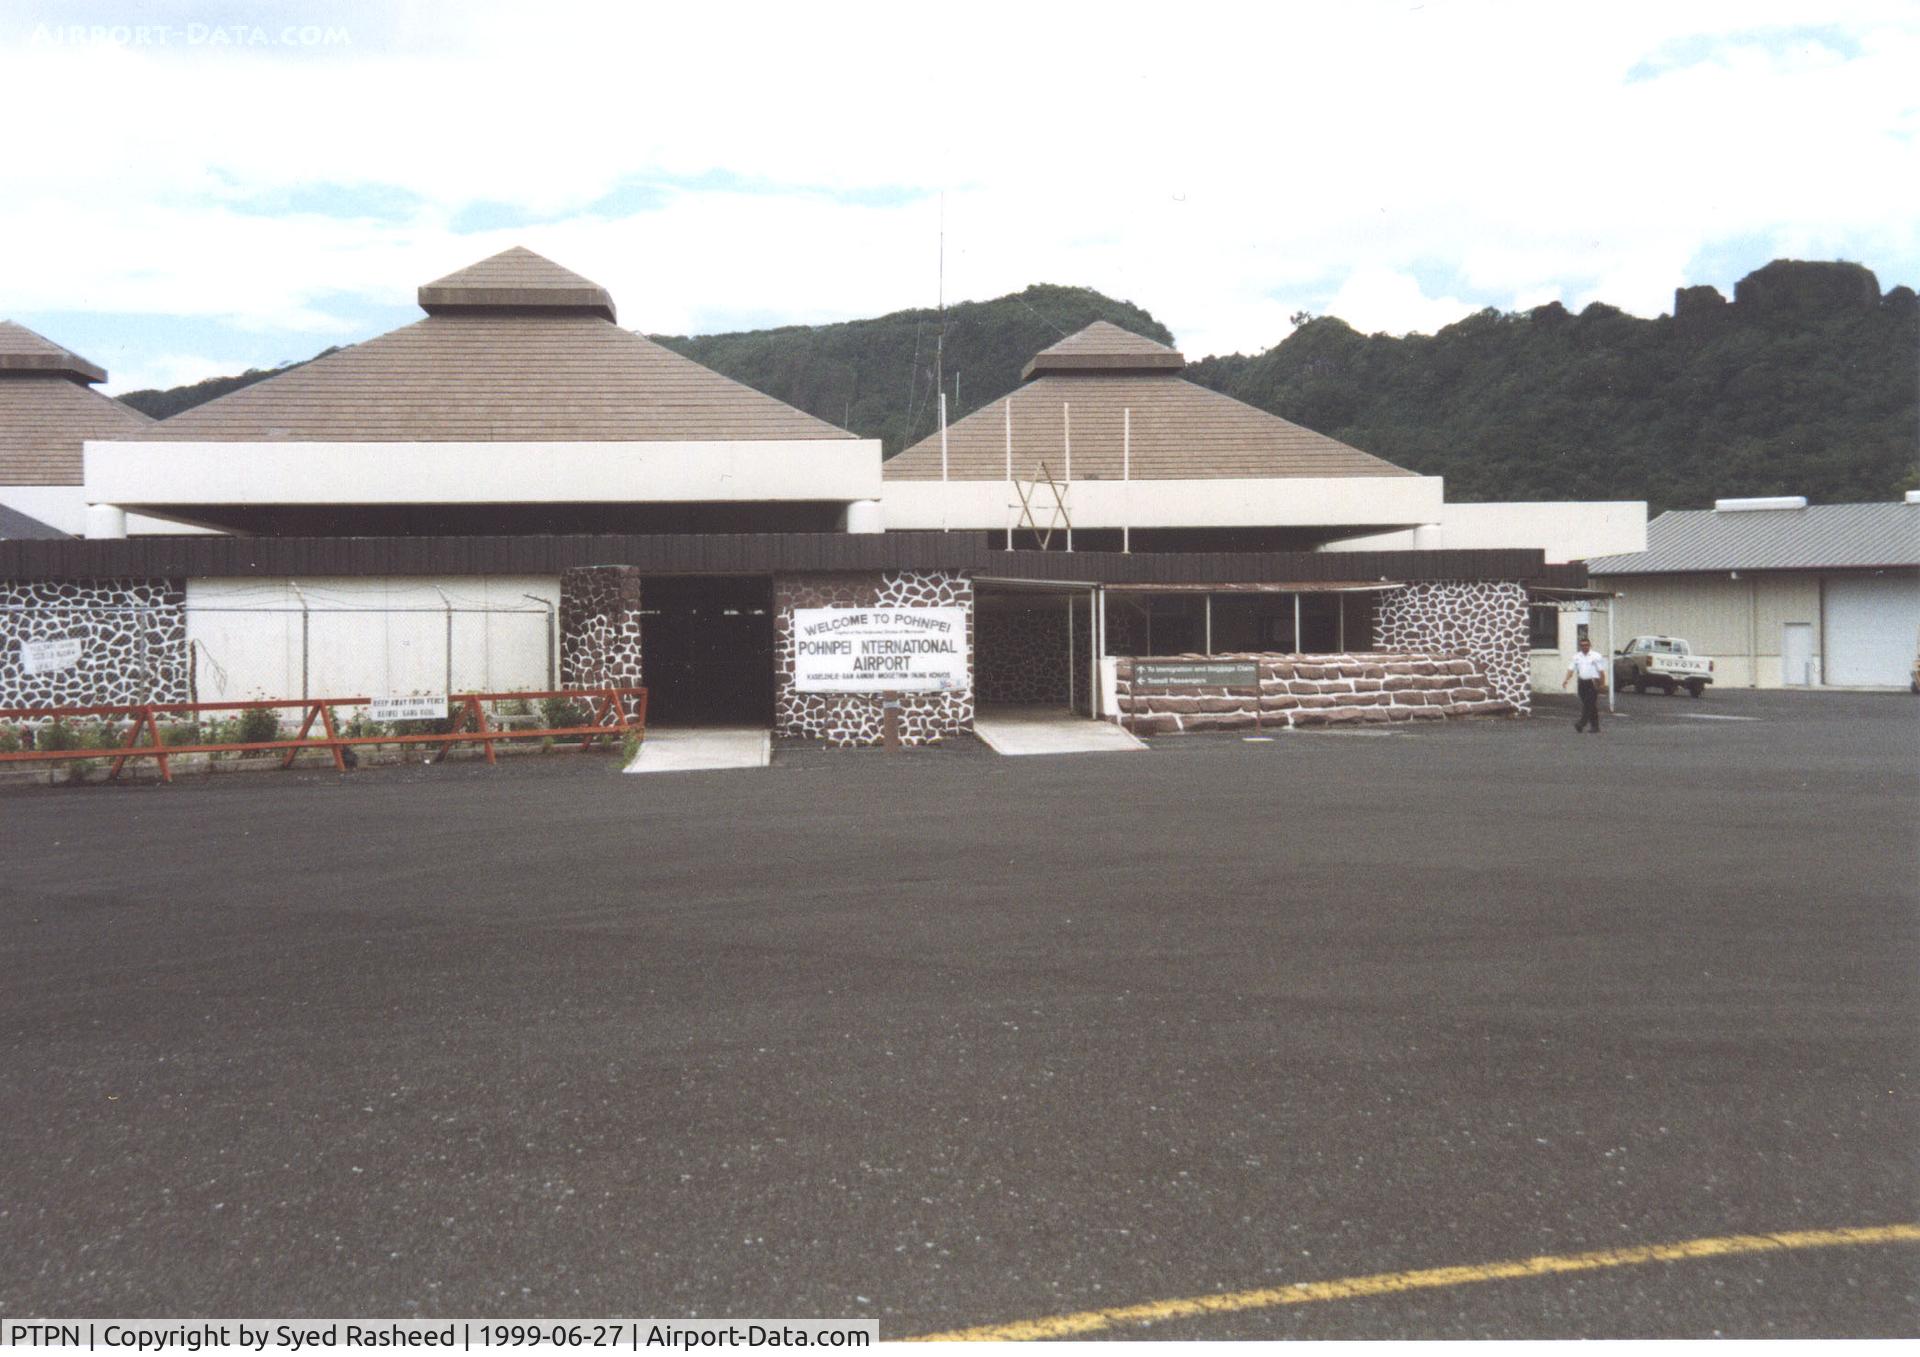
x: 1664, y: 662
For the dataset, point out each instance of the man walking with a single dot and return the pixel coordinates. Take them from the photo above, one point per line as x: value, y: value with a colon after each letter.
x: 1592, y: 672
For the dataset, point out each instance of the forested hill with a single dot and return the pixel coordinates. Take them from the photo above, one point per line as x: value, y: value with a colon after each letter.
x: 876, y: 377
x: 158, y: 404
x: 1807, y: 382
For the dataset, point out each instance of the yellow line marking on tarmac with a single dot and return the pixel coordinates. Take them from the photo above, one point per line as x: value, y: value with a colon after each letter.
x: 1388, y: 1283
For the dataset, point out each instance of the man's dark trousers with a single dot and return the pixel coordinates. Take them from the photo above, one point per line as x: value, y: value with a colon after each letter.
x: 1589, y: 706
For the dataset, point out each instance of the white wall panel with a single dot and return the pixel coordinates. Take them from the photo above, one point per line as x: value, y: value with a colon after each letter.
x: 368, y: 637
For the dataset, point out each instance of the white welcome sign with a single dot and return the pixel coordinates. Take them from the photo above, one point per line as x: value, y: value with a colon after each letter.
x: 879, y: 650
x: 49, y: 657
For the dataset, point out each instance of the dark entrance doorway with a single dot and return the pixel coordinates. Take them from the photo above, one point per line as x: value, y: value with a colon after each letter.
x: 707, y: 649
x: 1032, y: 647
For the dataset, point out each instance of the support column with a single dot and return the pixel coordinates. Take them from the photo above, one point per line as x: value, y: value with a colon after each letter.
x: 600, y: 641
x: 106, y: 521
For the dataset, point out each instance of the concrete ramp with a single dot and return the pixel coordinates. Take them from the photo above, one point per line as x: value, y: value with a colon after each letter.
x: 1046, y: 731
x: 687, y: 751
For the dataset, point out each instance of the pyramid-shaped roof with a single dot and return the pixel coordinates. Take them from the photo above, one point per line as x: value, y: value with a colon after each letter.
x: 1104, y: 347
x: 513, y: 349
x: 23, y: 351
x: 19, y: 527
x: 48, y: 409
x: 515, y: 279
x: 1129, y: 413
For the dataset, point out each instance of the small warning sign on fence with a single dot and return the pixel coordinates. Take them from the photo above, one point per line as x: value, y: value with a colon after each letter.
x: 416, y: 707
x: 47, y: 657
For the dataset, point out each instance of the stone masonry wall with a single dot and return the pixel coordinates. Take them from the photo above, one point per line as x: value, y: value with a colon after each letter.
x: 1485, y: 620
x: 855, y: 718
x: 133, y: 635
x: 600, y: 627
x: 1316, y: 690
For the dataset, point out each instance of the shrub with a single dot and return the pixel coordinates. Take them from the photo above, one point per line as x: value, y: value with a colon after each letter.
x: 360, y: 726
x: 9, y: 740
x: 560, y: 713
x: 256, y: 725
x: 56, y: 736
x: 180, y: 732
x: 218, y: 731
x: 630, y: 747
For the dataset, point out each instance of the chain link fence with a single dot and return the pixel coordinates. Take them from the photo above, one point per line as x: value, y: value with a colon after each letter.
x: 82, y: 655
x: 235, y: 653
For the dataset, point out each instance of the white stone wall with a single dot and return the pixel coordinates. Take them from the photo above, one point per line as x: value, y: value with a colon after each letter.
x: 856, y: 718
x: 1482, y: 620
x: 130, y: 633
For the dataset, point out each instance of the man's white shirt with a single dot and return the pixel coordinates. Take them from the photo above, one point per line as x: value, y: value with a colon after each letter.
x: 1589, y: 665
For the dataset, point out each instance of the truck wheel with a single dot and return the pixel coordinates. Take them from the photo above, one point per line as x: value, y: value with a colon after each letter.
x: 1696, y: 689
x: 1669, y: 687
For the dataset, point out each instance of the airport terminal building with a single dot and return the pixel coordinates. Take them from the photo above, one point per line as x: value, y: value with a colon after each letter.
x: 514, y: 491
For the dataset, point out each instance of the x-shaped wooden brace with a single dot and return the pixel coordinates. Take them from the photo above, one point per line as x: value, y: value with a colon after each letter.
x: 1057, y: 515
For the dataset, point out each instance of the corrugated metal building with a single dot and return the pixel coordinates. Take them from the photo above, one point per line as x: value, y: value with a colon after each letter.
x: 1781, y: 593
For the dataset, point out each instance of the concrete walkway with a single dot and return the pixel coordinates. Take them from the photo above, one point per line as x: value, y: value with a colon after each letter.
x: 684, y: 751
x: 1047, y: 730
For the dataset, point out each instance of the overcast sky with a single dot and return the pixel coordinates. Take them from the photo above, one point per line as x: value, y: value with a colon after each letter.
x: 232, y: 185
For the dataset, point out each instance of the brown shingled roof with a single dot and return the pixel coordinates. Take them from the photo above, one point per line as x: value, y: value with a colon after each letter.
x: 515, y: 279
x: 513, y: 376
x: 1180, y: 431
x: 1104, y: 347
x: 23, y: 351
x: 45, y: 417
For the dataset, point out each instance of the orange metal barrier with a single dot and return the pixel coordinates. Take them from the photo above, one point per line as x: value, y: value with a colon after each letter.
x: 614, y: 713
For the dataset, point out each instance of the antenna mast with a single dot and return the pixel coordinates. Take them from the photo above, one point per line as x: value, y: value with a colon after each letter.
x: 940, y: 338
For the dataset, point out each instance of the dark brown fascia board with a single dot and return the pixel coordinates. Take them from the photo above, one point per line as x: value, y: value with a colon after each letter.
x: 442, y: 300
x: 741, y: 554
x: 1042, y: 364
x: 55, y: 364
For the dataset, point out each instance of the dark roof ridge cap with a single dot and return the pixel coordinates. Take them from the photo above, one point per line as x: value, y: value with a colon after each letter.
x: 32, y: 354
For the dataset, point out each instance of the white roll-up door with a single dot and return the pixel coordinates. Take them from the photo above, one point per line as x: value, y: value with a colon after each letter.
x: 1873, y: 625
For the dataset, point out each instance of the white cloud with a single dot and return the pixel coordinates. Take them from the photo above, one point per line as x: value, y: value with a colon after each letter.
x: 1375, y: 299
x: 1224, y: 168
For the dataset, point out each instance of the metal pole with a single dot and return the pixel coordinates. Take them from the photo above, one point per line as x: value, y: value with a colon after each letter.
x: 1298, y: 649
x: 1096, y: 642
x: 1007, y: 407
x: 1070, y: 705
x: 943, y: 437
x: 553, y: 672
x: 448, y: 690
x: 305, y: 636
x: 1610, y: 683
x: 1066, y: 490
x: 1209, y: 612
x: 1126, y: 477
